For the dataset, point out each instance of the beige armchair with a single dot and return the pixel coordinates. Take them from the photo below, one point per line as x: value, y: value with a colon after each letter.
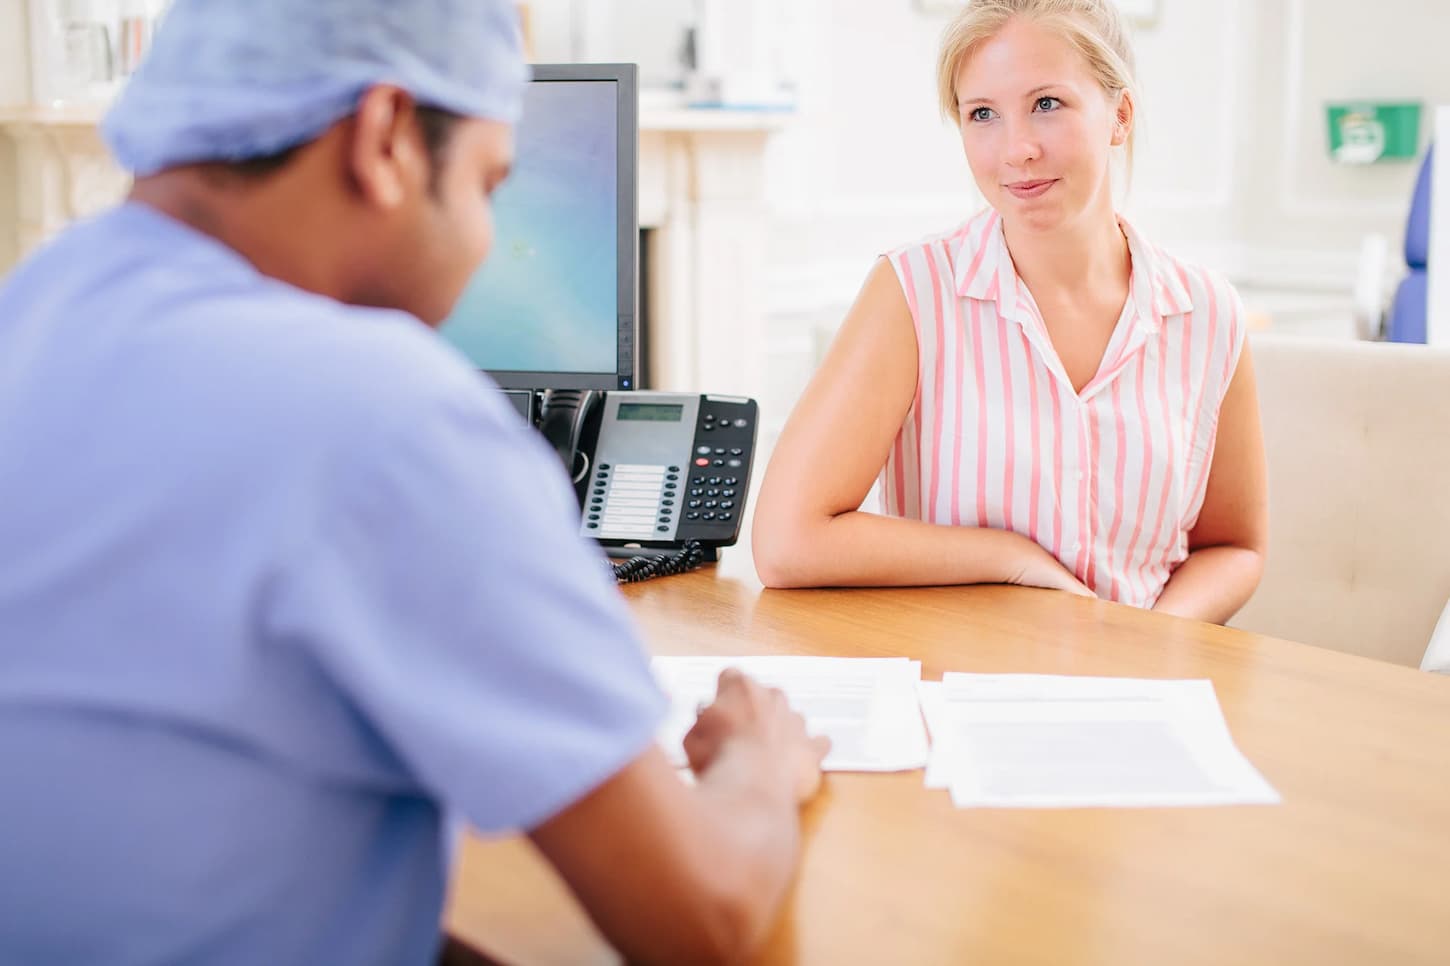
x: 1358, y: 440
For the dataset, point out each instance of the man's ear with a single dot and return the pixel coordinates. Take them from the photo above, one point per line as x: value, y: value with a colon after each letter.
x: 386, y: 156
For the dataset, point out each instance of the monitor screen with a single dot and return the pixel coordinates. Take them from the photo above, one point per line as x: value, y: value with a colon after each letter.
x: 554, y: 305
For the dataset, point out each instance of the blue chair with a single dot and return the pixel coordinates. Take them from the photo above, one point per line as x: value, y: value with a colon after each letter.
x: 1406, y: 321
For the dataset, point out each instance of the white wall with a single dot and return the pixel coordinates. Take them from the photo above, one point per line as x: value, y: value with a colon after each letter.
x: 1438, y: 296
x: 14, y: 89
x: 1232, y: 166
x: 14, y: 58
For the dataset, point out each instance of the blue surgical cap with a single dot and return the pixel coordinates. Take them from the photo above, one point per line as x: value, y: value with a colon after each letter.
x: 228, y: 80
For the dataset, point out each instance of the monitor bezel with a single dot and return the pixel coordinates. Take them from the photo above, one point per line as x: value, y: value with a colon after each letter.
x: 626, y: 80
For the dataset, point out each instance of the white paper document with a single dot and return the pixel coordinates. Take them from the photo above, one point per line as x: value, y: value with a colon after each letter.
x: 867, y: 706
x: 1040, y: 741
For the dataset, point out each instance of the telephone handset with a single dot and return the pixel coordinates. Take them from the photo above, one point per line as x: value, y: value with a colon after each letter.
x: 654, y: 471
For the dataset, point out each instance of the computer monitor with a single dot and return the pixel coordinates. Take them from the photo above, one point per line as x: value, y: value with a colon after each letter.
x: 555, y: 305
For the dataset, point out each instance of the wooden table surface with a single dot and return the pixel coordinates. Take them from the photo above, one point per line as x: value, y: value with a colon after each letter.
x: 1353, y: 867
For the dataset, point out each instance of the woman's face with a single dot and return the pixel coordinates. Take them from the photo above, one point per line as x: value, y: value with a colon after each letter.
x: 1038, y: 128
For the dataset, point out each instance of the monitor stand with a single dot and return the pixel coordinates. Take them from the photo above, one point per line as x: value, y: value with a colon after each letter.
x: 523, y: 400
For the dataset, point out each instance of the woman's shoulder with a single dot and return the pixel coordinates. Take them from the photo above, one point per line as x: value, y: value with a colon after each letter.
x: 968, y: 237
x: 1185, y: 287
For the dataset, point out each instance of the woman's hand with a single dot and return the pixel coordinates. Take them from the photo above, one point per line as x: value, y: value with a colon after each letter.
x: 1038, y: 568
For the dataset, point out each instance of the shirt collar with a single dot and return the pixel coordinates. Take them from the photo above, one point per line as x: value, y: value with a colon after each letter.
x: 984, y: 271
x: 1158, y: 292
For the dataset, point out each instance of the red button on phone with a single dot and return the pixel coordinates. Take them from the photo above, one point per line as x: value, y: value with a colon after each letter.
x: 702, y: 462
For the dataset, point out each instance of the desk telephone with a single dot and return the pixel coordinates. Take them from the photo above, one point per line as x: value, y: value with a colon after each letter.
x: 656, y: 472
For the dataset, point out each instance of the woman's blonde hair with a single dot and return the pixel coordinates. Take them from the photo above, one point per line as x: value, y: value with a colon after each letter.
x: 1094, y: 27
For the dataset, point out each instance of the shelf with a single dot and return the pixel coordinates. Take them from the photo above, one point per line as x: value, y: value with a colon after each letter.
x: 88, y: 115
x: 657, y: 117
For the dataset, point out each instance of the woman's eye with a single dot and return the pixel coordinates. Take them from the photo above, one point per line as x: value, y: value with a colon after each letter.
x: 981, y: 114
x: 1048, y: 103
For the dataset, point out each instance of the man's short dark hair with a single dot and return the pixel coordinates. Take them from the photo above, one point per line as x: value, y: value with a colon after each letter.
x: 435, y: 123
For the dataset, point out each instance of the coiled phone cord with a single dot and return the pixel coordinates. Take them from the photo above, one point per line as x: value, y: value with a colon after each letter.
x: 635, y: 569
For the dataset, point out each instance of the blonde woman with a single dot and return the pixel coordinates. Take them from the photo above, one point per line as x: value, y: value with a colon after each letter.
x: 1046, y: 398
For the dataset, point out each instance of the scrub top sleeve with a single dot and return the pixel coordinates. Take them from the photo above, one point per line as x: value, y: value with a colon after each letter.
x: 448, y: 595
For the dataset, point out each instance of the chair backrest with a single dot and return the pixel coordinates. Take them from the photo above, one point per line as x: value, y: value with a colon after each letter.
x: 1358, y: 441
x: 1406, y: 321
x: 1417, y: 229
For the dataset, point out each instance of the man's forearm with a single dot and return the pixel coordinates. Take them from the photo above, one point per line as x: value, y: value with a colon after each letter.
x: 756, y: 824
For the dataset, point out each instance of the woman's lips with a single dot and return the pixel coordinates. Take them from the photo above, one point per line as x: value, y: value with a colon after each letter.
x: 1031, y: 189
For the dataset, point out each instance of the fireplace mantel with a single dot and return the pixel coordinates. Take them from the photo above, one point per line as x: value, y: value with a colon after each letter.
x: 702, y: 194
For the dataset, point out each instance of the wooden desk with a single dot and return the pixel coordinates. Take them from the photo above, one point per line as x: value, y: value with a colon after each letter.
x: 1354, y: 867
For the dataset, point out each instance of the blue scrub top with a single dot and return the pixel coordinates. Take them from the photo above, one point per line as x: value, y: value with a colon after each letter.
x: 284, y: 585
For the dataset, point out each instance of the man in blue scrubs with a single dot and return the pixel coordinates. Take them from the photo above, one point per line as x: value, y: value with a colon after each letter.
x: 283, y: 585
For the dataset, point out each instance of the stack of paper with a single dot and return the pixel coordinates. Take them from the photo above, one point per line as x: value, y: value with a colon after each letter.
x: 1024, y: 741
x: 867, y: 706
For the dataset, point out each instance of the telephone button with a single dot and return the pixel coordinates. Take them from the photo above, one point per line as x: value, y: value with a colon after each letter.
x: 695, y: 504
x: 672, y: 486
x: 703, y: 450
x: 718, y: 463
x: 593, y: 526
x: 702, y: 462
x: 599, y: 491
x: 708, y: 515
x: 741, y: 423
x: 604, y: 467
x: 719, y: 452
x: 692, y: 515
x: 734, y: 464
x: 711, y: 504
x: 663, y: 529
x: 727, y: 504
x: 594, y: 516
x: 712, y: 492
x: 667, y: 502
x: 737, y: 451
x: 731, y: 481
x: 725, y: 516
x: 673, y: 476
x: 727, y: 492
x: 715, y: 481
x: 674, y: 469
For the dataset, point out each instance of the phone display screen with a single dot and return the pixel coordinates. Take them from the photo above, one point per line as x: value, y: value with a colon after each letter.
x: 650, y: 412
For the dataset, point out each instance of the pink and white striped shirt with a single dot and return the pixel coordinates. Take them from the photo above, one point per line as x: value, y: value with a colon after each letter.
x: 1110, y: 480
